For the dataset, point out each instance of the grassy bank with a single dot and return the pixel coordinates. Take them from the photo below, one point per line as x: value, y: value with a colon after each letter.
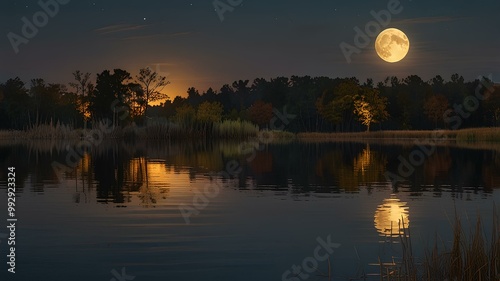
x: 465, y: 135
x: 43, y: 132
x: 243, y: 130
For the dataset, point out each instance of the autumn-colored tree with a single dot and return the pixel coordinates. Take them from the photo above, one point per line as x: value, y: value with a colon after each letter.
x: 209, y: 113
x: 370, y: 107
x: 364, y: 112
x: 435, y: 107
x: 185, y: 114
x: 260, y: 113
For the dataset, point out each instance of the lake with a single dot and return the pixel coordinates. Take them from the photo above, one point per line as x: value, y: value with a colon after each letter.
x: 201, y: 210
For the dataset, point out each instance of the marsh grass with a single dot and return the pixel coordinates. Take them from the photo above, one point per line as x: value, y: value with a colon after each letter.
x: 157, y: 129
x: 47, y: 131
x: 479, y: 134
x: 11, y: 135
x: 471, y: 257
x: 235, y: 129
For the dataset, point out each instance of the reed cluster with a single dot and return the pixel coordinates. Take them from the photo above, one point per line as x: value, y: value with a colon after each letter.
x: 471, y: 257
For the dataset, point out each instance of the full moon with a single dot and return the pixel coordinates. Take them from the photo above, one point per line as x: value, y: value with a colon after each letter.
x: 392, y: 45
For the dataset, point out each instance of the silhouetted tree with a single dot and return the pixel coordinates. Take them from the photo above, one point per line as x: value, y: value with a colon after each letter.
x: 241, y: 94
x: 194, y: 97
x: 50, y: 100
x: 152, y: 85
x: 37, y: 92
x: 210, y: 95
x: 14, y: 104
x: 83, y: 87
x: 225, y: 96
x: 320, y: 103
x: 277, y: 92
x: 111, y: 95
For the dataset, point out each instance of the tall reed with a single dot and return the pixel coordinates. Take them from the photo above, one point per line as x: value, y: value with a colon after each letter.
x: 472, y: 257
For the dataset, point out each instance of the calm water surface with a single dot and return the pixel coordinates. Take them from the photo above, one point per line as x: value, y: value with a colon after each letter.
x: 118, y: 210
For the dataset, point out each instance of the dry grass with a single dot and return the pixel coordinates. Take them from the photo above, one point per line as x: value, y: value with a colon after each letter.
x: 478, y: 135
x: 11, y: 135
x: 235, y: 129
x: 465, y: 135
x: 43, y: 132
x: 282, y: 136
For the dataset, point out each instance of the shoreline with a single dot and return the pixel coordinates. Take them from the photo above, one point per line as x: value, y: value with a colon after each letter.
x: 491, y: 134
x: 471, y: 135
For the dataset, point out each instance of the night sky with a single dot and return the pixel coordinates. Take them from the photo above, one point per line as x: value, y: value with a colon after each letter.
x: 187, y: 40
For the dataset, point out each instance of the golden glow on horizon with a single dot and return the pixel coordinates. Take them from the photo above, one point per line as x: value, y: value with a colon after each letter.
x: 390, y: 216
x: 392, y: 45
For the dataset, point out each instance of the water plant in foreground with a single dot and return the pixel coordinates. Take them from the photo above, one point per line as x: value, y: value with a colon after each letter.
x: 472, y: 257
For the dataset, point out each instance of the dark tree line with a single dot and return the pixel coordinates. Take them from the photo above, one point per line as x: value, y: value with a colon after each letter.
x: 345, y: 104
x: 319, y: 103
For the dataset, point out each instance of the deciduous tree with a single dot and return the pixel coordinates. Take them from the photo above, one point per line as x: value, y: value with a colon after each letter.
x: 83, y: 87
x: 370, y: 107
x: 152, y: 85
x: 260, y: 113
x: 435, y: 107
